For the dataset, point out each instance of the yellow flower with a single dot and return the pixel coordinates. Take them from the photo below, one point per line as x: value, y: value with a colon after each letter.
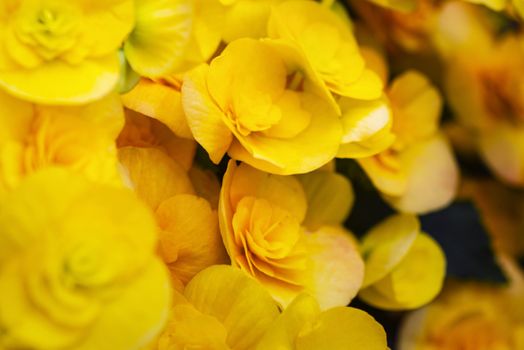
x: 188, y: 225
x: 224, y: 309
x: 405, y: 268
x: 81, y: 138
x: 261, y: 217
x: 420, y: 157
x: 260, y: 102
x: 302, y: 326
x: 486, y: 94
x: 467, y: 316
x: 400, y: 5
x: 329, y: 45
x: 172, y: 36
x: 76, y: 264
x: 62, y: 52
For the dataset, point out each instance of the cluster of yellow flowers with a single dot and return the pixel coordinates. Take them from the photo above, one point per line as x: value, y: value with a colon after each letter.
x: 168, y: 173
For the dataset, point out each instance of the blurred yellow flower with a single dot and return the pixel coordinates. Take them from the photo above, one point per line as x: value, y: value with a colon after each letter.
x: 80, y: 138
x: 173, y: 36
x: 405, y: 268
x: 467, y: 316
x: 188, y: 226
x: 62, y: 52
x: 261, y: 103
x: 486, y: 94
x: 261, y: 217
x: 329, y: 45
x: 420, y: 158
x: 76, y: 264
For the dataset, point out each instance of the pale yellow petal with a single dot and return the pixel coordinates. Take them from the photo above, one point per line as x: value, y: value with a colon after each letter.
x: 337, y: 267
x: 432, y: 177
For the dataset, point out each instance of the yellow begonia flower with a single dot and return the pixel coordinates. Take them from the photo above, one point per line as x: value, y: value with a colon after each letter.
x: 62, y: 52
x: 328, y: 43
x: 405, y: 268
x: 302, y: 326
x: 142, y: 131
x: 76, y: 264
x: 81, y: 138
x: 420, y: 157
x: 486, y: 94
x: 467, y: 316
x: 172, y: 36
x: 189, y: 237
x: 221, y: 309
x: 260, y: 102
x: 261, y: 217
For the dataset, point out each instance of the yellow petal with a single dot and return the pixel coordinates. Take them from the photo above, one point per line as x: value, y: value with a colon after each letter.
x: 160, y: 37
x: 416, y: 108
x: 428, y: 164
x: 386, y: 244
x: 368, y: 86
x: 206, y: 185
x: 203, y: 116
x: 400, y: 5
x: 329, y: 196
x: 247, y: 19
x: 337, y: 268
x: 366, y: 127
x: 185, y: 327
x: 189, y: 237
x: 155, y: 176
x: 134, y: 323
x: 415, y: 281
x: 284, y: 330
x: 342, y: 328
x: 160, y: 102
x: 88, y: 81
x: 242, y: 305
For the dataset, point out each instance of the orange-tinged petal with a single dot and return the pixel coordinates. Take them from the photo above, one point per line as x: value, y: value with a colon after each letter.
x: 154, y: 175
x: 160, y: 102
x: 189, y: 237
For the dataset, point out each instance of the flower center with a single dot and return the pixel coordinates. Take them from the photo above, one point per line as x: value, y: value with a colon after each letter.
x: 48, y: 31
